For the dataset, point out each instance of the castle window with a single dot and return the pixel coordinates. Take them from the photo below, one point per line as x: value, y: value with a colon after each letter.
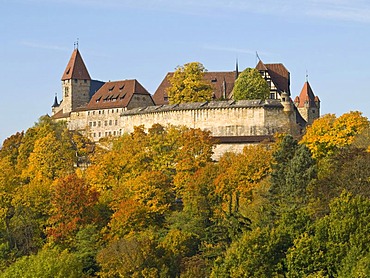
x: 94, y: 124
x: 114, y: 133
x: 105, y: 123
x: 94, y: 134
x: 117, y: 110
x: 75, y: 80
x: 115, y: 122
x: 313, y: 111
x: 110, y: 122
x: 93, y: 112
x: 88, y: 113
x: 272, y: 96
x: 99, y: 123
x: 85, y: 81
x: 99, y: 134
x: 112, y: 110
x: 99, y: 112
x: 90, y: 124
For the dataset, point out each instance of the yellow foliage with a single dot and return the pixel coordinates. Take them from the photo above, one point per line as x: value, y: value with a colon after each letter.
x: 328, y: 133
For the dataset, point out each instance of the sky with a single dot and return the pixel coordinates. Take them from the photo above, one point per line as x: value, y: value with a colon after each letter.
x: 326, y: 40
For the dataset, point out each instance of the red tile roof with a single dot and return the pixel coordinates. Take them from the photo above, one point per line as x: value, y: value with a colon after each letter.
x: 306, y: 96
x: 220, y: 81
x: 60, y: 115
x: 76, y: 68
x: 116, y: 94
x: 279, y: 75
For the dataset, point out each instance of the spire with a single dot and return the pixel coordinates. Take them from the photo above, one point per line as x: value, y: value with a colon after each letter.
x: 306, y: 96
x: 76, y: 68
x: 236, y: 69
x: 56, y: 104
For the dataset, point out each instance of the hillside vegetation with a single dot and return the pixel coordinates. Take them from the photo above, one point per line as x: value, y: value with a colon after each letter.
x: 153, y: 204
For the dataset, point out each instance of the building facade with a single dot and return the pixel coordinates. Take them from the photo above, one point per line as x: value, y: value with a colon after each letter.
x: 100, y: 109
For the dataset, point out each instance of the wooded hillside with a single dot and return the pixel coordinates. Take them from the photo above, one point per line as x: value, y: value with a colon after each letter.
x: 154, y: 204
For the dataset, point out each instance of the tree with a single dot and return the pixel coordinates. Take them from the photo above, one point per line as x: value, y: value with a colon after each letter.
x: 73, y: 204
x: 188, y: 85
x: 250, y: 85
x: 133, y: 256
x: 46, y: 263
x: 337, y: 244
x: 329, y: 134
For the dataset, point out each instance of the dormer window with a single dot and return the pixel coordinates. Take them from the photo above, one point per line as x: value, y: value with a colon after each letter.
x: 214, y: 80
x: 121, y: 88
x: 111, y: 89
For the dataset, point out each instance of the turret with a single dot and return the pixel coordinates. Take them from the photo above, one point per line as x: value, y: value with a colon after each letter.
x: 55, y: 106
x: 308, y: 104
x: 285, y: 101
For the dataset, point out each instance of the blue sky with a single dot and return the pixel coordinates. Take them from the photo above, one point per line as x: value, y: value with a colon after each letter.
x: 143, y: 39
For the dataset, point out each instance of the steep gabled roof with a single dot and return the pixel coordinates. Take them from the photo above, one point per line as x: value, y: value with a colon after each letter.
x: 116, y: 94
x: 306, y: 96
x: 278, y: 73
x: 222, y: 83
x: 76, y: 68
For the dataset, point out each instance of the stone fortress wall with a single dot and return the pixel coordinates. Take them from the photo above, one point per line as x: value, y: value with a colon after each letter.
x: 240, y: 120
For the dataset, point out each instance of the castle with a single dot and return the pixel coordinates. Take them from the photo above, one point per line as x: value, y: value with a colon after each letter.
x: 100, y: 109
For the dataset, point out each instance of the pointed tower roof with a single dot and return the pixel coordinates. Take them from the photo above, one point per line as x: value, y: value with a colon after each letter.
x: 76, y: 68
x: 306, y: 96
x: 56, y: 104
x: 261, y: 66
x: 278, y: 73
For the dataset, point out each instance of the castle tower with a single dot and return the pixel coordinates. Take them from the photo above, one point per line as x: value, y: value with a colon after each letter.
x: 76, y: 83
x: 308, y: 104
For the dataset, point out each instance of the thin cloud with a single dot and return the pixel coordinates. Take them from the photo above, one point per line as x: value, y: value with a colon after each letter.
x: 43, y: 46
x: 235, y: 50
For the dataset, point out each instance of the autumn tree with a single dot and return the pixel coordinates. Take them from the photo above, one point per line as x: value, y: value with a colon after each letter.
x: 250, y: 85
x: 188, y: 85
x: 328, y: 134
x: 73, y: 204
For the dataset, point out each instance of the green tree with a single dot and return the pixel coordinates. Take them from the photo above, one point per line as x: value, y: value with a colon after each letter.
x: 251, y: 85
x: 188, y: 85
x: 293, y: 169
x: 336, y: 245
x: 47, y: 263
